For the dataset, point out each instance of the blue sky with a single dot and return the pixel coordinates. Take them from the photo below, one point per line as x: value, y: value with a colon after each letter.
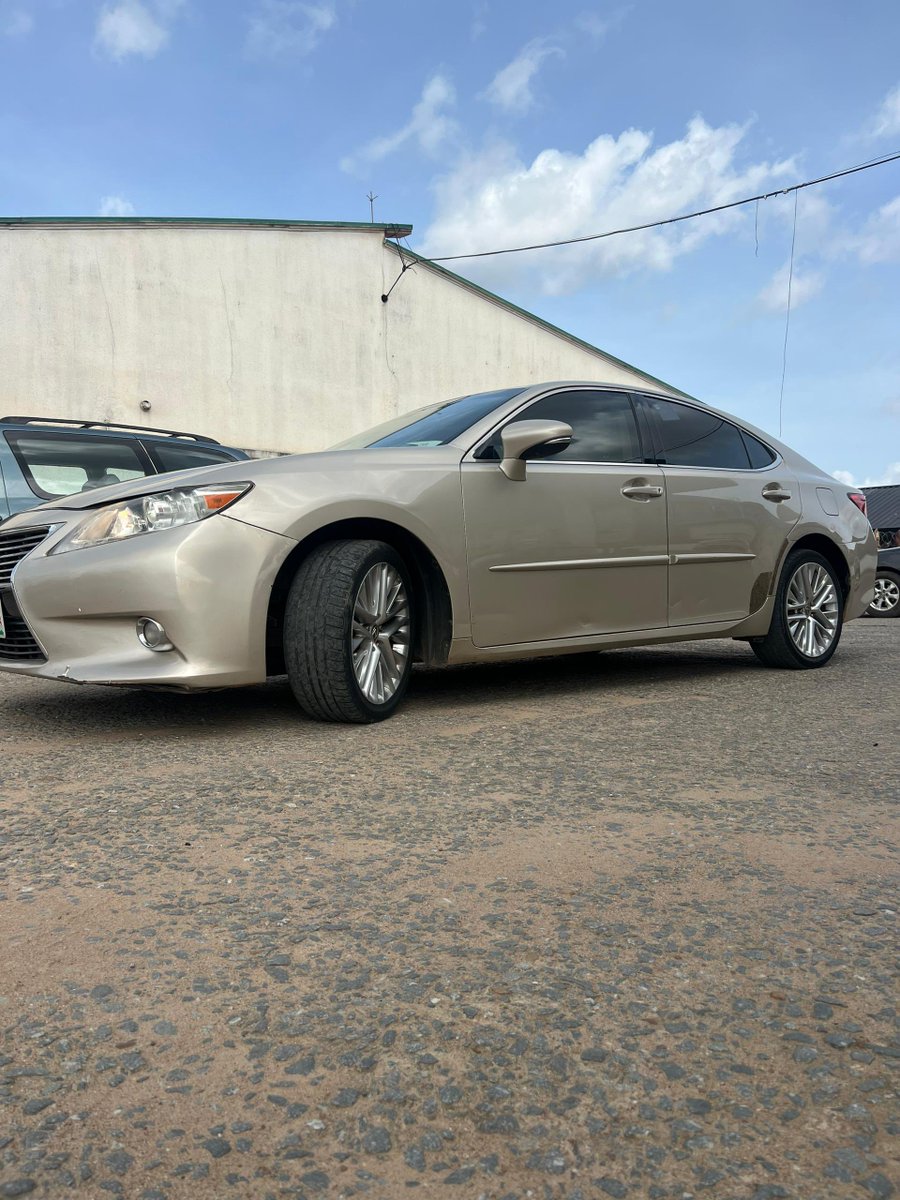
x: 490, y: 124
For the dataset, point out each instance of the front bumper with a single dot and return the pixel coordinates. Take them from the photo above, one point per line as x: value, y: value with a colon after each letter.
x: 207, y: 583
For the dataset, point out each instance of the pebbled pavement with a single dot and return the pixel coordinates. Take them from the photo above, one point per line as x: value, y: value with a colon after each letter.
x: 613, y: 925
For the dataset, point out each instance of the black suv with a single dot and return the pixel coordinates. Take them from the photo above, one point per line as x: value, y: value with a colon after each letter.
x: 44, y: 458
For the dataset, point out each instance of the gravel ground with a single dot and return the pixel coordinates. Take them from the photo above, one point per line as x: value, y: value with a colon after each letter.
x: 614, y: 925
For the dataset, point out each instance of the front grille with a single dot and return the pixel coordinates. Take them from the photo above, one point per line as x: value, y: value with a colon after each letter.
x: 14, y: 546
x: 19, y: 644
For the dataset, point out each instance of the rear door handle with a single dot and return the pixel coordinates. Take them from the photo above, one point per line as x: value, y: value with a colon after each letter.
x: 641, y: 491
x: 775, y: 493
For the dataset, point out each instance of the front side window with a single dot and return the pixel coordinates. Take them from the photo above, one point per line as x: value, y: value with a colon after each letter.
x: 56, y: 466
x: 603, y: 427
x: 691, y: 437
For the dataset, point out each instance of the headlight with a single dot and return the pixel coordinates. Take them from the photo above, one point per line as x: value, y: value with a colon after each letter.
x: 147, y: 514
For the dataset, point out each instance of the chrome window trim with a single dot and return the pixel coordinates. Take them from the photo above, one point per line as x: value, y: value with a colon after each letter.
x: 536, y: 463
x: 722, y: 470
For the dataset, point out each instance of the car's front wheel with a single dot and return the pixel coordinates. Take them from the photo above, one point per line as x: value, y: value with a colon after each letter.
x: 886, y: 600
x: 808, y: 616
x: 348, y: 631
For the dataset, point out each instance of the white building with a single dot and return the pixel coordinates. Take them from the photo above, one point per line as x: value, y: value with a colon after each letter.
x: 268, y: 335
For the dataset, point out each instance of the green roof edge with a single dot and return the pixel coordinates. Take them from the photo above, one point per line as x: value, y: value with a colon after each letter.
x: 388, y: 228
x: 523, y: 312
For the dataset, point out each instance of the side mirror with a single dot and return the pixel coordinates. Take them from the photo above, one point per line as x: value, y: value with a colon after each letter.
x: 521, y: 436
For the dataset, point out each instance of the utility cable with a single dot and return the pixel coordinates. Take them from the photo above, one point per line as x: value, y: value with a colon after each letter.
x: 703, y: 212
x: 787, y: 317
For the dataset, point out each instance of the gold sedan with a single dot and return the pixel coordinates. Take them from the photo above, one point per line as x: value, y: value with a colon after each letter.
x: 549, y: 519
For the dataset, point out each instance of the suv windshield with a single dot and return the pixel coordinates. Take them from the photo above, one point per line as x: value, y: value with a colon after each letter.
x: 433, y: 425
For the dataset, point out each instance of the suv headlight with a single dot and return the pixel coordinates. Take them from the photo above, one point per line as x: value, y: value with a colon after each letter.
x: 148, y: 514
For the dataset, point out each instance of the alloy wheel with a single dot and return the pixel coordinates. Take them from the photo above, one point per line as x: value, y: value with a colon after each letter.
x: 887, y: 595
x: 380, y: 633
x: 812, y: 609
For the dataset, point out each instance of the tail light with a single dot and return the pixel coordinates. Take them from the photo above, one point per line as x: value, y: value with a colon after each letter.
x: 859, y: 500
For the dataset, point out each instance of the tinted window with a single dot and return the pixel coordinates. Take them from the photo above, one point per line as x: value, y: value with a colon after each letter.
x: 694, y: 438
x: 603, y: 427
x: 55, y: 465
x: 760, y: 455
x: 176, y: 456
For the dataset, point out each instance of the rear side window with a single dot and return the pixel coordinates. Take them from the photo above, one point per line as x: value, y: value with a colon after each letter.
x: 691, y: 437
x: 760, y: 454
x: 176, y: 456
x: 56, y: 466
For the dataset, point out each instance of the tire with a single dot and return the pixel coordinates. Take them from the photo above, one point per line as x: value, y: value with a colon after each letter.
x: 798, y: 638
x: 887, y: 595
x: 347, y: 660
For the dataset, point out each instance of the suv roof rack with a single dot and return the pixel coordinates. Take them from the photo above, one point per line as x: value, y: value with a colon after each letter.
x: 194, y: 437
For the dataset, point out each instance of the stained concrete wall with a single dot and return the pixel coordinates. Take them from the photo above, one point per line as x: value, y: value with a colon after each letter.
x: 265, y: 338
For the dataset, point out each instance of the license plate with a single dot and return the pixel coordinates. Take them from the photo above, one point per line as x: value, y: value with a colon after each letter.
x: 2, y: 624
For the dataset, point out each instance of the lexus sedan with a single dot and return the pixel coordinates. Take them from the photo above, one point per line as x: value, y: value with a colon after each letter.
x: 555, y: 518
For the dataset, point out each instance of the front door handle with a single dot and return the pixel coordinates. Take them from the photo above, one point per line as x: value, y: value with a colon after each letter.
x: 641, y: 491
x: 775, y: 492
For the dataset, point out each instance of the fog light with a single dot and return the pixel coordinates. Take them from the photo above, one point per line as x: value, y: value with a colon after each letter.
x: 152, y: 635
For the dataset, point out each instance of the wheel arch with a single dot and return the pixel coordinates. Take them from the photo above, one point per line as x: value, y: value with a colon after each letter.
x: 830, y: 551
x: 434, y: 628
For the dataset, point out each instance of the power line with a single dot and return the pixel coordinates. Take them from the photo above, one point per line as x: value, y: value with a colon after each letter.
x: 703, y: 212
x: 787, y: 318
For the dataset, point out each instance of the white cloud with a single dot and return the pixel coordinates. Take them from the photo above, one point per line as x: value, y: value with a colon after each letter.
x: 890, y: 475
x: 115, y: 206
x: 886, y: 122
x: 133, y: 27
x: 428, y: 126
x: 493, y: 199
x: 15, y: 22
x: 288, y: 27
x: 879, y: 240
x: 510, y: 89
x: 803, y: 286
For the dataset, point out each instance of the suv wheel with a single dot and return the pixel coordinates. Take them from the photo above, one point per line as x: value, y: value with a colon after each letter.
x: 348, y: 632
x: 809, y: 612
x: 886, y: 601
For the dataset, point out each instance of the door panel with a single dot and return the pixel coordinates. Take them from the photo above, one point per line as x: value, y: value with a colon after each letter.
x: 724, y: 540
x: 564, y: 554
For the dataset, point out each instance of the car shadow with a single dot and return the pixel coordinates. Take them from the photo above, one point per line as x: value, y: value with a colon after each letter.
x: 128, y: 712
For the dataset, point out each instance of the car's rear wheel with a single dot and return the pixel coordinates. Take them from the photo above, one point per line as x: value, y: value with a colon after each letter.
x: 808, y: 616
x: 348, y: 631
x: 886, y: 601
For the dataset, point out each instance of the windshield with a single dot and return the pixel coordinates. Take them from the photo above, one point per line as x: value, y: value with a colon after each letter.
x: 433, y: 425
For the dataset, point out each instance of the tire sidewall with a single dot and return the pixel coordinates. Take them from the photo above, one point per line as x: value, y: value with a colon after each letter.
x: 380, y: 552
x: 797, y: 559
